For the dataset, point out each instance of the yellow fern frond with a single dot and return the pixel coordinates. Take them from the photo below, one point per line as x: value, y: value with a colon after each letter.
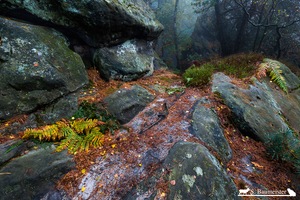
x: 50, y: 132
x: 262, y: 70
x: 78, y: 135
x: 82, y: 125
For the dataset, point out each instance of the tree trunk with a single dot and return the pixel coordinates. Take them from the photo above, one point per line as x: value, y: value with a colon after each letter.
x: 241, y: 31
x: 175, y: 35
x: 225, y: 49
x: 278, y: 45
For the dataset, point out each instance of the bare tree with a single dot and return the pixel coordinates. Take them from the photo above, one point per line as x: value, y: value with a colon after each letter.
x: 267, y: 19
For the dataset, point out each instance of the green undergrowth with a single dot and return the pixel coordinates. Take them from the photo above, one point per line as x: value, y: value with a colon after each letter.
x: 83, y: 131
x: 238, y: 65
x: 198, y: 76
x: 285, y: 146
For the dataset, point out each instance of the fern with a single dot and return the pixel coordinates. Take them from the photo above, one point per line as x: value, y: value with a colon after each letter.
x: 285, y: 146
x: 276, y: 77
x: 82, y: 125
x: 274, y: 72
x: 77, y: 135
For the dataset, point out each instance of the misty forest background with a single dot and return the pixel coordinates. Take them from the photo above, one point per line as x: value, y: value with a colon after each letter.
x: 205, y: 29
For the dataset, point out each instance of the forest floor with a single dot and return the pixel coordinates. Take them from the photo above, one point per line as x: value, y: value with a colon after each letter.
x: 122, y: 153
x: 250, y: 163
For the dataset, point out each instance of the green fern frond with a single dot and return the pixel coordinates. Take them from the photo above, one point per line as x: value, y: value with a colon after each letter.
x: 66, y: 131
x: 72, y: 143
x: 95, y: 137
x: 275, y: 75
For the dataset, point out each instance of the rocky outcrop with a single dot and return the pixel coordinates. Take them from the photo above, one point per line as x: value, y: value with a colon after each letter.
x: 124, y: 104
x: 97, y: 23
x: 128, y: 61
x: 36, y: 68
x: 206, y: 127
x: 265, y: 112
x: 34, y: 174
x: 255, y: 110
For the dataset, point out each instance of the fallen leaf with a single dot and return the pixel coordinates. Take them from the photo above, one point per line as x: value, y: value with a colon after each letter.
x: 173, y: 182
x: 35, y: 64
x: 257, y: 165
x: 82, y: 189
x: 83, y: 171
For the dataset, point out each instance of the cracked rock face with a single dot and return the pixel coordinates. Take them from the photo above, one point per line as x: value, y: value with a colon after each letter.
x: 36, y: 68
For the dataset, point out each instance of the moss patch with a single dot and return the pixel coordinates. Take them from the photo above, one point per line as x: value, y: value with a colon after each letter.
x: 238, y: 65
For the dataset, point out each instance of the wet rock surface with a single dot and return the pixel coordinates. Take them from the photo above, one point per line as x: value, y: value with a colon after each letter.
x: 34, y: 174
x: 197, y: 174
x: 36, y: 68
x: 206, y: 127
x: 127, y: 103
x: 128, y: 61
x: 255, y: 110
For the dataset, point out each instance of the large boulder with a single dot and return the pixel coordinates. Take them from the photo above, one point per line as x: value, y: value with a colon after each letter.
x: 192, y: 173
x: 255, y: 110
x: 197, y: 174
x: 125, y: 104
x: 33, y: 175
x: 206, y: 127
x: 97, y: 22
x: 36, y: 68
x: 128, y: 61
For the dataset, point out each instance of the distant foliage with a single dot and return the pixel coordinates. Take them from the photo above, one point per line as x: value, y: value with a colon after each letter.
x: 85, y: 130
x: 274, y: 72
x: 285, y: 146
